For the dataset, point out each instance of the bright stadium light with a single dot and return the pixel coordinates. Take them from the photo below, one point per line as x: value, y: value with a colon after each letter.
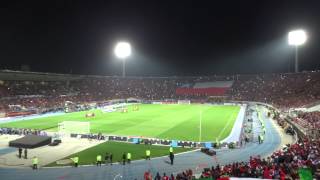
x: 297, y: 38
x: 122, y: 51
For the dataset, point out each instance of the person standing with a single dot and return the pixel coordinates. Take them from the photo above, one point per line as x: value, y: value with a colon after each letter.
x: 171, y: 156
x: 171, y: 149
x: 20, y: 152
x: 165, y: 177
x: 129, y: 158
x: 172, y: 177
x: 75, y: 161
x: 148, y: 154
x: 99, y: 159
x: 124, y: 157
x: 110, y: 158
x: 35, y: 163
x: 25, y: 153
x: 147, y: 175
x: 157, y: 177
x: 106, y: 158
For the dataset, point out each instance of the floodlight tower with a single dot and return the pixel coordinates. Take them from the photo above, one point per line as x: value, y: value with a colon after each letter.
x: 297, y: 38
x: 122, y: 52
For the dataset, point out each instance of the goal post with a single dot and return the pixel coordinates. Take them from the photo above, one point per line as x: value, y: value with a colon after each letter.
x: 77, y: 127
x: 184, y: 102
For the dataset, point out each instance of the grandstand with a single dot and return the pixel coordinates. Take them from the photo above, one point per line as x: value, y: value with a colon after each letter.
x: 274, y: 105
x: 160, y: 90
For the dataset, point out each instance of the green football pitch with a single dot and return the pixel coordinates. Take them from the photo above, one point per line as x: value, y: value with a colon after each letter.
x: 88, y: 156
x: 172, y: 122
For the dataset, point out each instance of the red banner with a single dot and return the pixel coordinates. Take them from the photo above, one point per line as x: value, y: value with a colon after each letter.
x: 13, y: 114
x: 202, y: 91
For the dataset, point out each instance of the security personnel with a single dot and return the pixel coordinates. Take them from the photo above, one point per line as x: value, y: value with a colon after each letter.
x: 129, y: 158
x: 106, y: 158
x: 218, y: 144
x: 148, y: 154
x: 75, y: 161
x: 171, y: 149
x: 124, y: 157
x: 262, y: 138
x: 110, y: 158
x: 35, y: 163
x: 99, y: 158
x: 26, y: 153
x: 171, y: 156
x: 20, y: 152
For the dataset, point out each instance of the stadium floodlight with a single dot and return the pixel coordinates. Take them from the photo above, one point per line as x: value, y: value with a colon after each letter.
x: 122, y: 51
x: 297, y: 38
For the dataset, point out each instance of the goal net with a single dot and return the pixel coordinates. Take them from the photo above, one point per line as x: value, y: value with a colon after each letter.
x: 76, y: 127
x: 184, y: 102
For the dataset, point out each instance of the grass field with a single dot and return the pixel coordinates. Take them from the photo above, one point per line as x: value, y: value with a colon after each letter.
x: 175, y: 122
x: 137, y: 151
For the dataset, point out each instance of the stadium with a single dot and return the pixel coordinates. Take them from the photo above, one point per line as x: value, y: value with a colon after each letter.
x: 243, y: 124
x: 217, y: 113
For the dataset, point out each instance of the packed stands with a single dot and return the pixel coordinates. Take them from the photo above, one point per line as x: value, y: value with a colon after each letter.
x: 281, y: 90
x: 282, y: 164
x: 49, y: 92
x: 309, y: 119
x: 216, y: 88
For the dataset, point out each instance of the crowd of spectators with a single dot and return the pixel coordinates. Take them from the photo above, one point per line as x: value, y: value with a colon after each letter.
x: 308, y: 119
x: 283, y: 90
x: 21, y: 131
x: 282, y: 164
x: 308, y: 122
x: 186, y: 175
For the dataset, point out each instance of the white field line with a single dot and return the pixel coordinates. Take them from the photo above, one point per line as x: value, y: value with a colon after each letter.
x: 227, y: 124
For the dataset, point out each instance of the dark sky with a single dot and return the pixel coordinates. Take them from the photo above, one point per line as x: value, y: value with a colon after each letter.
x: 168, y: 37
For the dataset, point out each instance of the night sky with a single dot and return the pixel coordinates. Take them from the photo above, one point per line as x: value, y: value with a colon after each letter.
x: 168, y: 37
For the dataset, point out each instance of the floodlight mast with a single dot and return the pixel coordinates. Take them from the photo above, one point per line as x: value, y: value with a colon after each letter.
x: 297, y: 38
x: 123, y: 68
x: 296, y: 61
x: 123, y: 51
x: 200, y: 126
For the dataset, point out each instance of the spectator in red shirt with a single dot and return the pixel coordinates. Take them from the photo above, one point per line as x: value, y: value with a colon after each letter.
x: 165, y: 177
x: 147, y: 175
x: 266, y: 173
